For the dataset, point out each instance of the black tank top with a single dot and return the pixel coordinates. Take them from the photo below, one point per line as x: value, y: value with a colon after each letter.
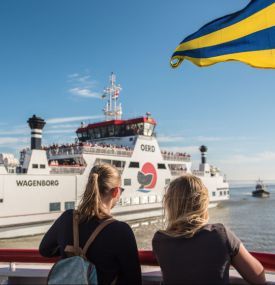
x: 114, y: 251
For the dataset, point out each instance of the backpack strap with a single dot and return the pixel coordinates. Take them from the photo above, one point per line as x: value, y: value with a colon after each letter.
x: 75, y: 249
x: 101, y: 226
x: 76, y: 231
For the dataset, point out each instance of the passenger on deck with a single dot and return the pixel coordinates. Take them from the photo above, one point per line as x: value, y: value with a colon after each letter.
x: 191, y: 251
x: 114, y: 251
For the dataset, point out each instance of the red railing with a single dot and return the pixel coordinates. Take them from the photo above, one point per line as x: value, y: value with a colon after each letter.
x: 146, y: 257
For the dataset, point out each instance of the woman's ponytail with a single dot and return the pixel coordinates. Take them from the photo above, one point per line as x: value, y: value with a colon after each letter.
x: 101, y: 180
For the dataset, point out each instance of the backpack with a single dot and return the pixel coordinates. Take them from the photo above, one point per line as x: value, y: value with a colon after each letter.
x: 76, y: 269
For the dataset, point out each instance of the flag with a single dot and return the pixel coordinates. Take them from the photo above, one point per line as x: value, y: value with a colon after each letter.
x: 115, y: 94
x: 247, y: 36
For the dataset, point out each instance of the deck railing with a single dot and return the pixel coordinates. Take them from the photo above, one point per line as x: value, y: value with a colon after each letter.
x: 67, y: 169
x: 175, y: 157
x: 89, y: 149
x: 146, y: 257
x: 178, y: 172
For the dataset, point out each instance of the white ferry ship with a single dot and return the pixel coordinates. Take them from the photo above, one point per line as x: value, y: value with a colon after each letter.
x: 49, y: 180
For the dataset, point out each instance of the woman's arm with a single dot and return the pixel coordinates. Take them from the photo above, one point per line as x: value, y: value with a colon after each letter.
x: 49, y: 244
x: 249, y: 267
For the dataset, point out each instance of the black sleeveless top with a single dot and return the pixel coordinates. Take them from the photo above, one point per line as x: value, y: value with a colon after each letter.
x: 203, y: 259
x: 114, y: 251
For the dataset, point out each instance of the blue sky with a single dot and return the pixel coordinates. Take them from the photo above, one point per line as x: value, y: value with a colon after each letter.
x: 56, y: 57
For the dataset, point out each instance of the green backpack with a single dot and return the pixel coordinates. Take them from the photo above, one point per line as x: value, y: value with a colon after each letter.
x: 76, y: 269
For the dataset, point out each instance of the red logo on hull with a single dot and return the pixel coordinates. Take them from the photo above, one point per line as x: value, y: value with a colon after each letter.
x: 147, y: 177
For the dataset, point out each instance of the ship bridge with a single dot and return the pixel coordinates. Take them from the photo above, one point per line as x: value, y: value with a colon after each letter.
x: 144, y: 126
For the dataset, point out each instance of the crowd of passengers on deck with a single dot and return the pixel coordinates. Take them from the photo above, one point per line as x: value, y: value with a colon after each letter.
x: 78, y: 147
x: 56, y: 148
x: 177, y: 154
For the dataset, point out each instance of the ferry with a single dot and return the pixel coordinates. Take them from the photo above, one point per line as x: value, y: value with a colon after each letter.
x: 48, y: 180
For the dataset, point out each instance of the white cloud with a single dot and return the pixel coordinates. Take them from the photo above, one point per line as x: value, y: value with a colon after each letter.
x: 63, y: 126
x: 60, y: 131
x: 83, y: 86
x: 216, y: 139
x: 85, y: 92
x: 72, y: 119
x: 17, y: 131
x: 13, y: 141
x: 73, y: 75
x: 254, y: 158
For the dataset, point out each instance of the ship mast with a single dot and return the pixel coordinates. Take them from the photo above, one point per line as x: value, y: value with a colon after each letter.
x: 113, y: 109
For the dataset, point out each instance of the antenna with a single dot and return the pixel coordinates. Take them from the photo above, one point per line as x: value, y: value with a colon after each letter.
x: 112, y: 110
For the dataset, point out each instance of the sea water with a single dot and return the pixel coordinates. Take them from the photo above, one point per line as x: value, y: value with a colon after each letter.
x: 252, y: 219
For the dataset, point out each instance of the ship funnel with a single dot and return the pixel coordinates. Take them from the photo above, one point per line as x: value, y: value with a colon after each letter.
x: 203, y: 150
x: 36, y: 124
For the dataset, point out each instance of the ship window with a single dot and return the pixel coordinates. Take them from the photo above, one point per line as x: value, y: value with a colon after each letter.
x: 35, y: 165
x: 167, y: 181
x: 111, y: 131
x: 161, y: 166
x: 135, y: 200
x: 134, y: 164
x: 213, y: 194
x: 127, y: 182
x: 152, y: 199
x: 91, y: 133
x: 42, y: 166
x: 224, y: 192
x: 106, y: 161
x: 126, y: 201
x: 97, y: 133
x: 143, y: 199
x: 103, y: 132
x: 85, y: 134
x: 140, y: 129
x: 69, y: 205
x: 118, y: 163
x: 1, y: 200
x: 54, y: 207
x: 148, y: 129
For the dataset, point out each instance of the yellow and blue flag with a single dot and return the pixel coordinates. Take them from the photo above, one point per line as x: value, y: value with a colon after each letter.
x: 247, y: 36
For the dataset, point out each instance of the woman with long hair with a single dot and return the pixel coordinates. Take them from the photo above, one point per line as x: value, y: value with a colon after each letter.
x: 192, y: 251
x: 114, y: 251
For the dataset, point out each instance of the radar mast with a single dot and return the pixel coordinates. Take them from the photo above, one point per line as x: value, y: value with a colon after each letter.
x: 112, y: 109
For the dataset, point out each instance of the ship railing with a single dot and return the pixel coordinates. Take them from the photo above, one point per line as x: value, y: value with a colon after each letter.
x: 177, y: 172
x: 89, y: 149
x: 198, y: 172
x: 107, y: 151
x: 64, y: 151
x: 16, y: 273
x: 55, y: 169
x: 174, y: 157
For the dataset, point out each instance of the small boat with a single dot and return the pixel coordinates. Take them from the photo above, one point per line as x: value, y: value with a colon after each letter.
x: 260, y: 191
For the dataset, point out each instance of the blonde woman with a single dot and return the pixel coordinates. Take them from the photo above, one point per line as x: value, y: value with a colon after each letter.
x: 114, y: 251
x: 191, y: 251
